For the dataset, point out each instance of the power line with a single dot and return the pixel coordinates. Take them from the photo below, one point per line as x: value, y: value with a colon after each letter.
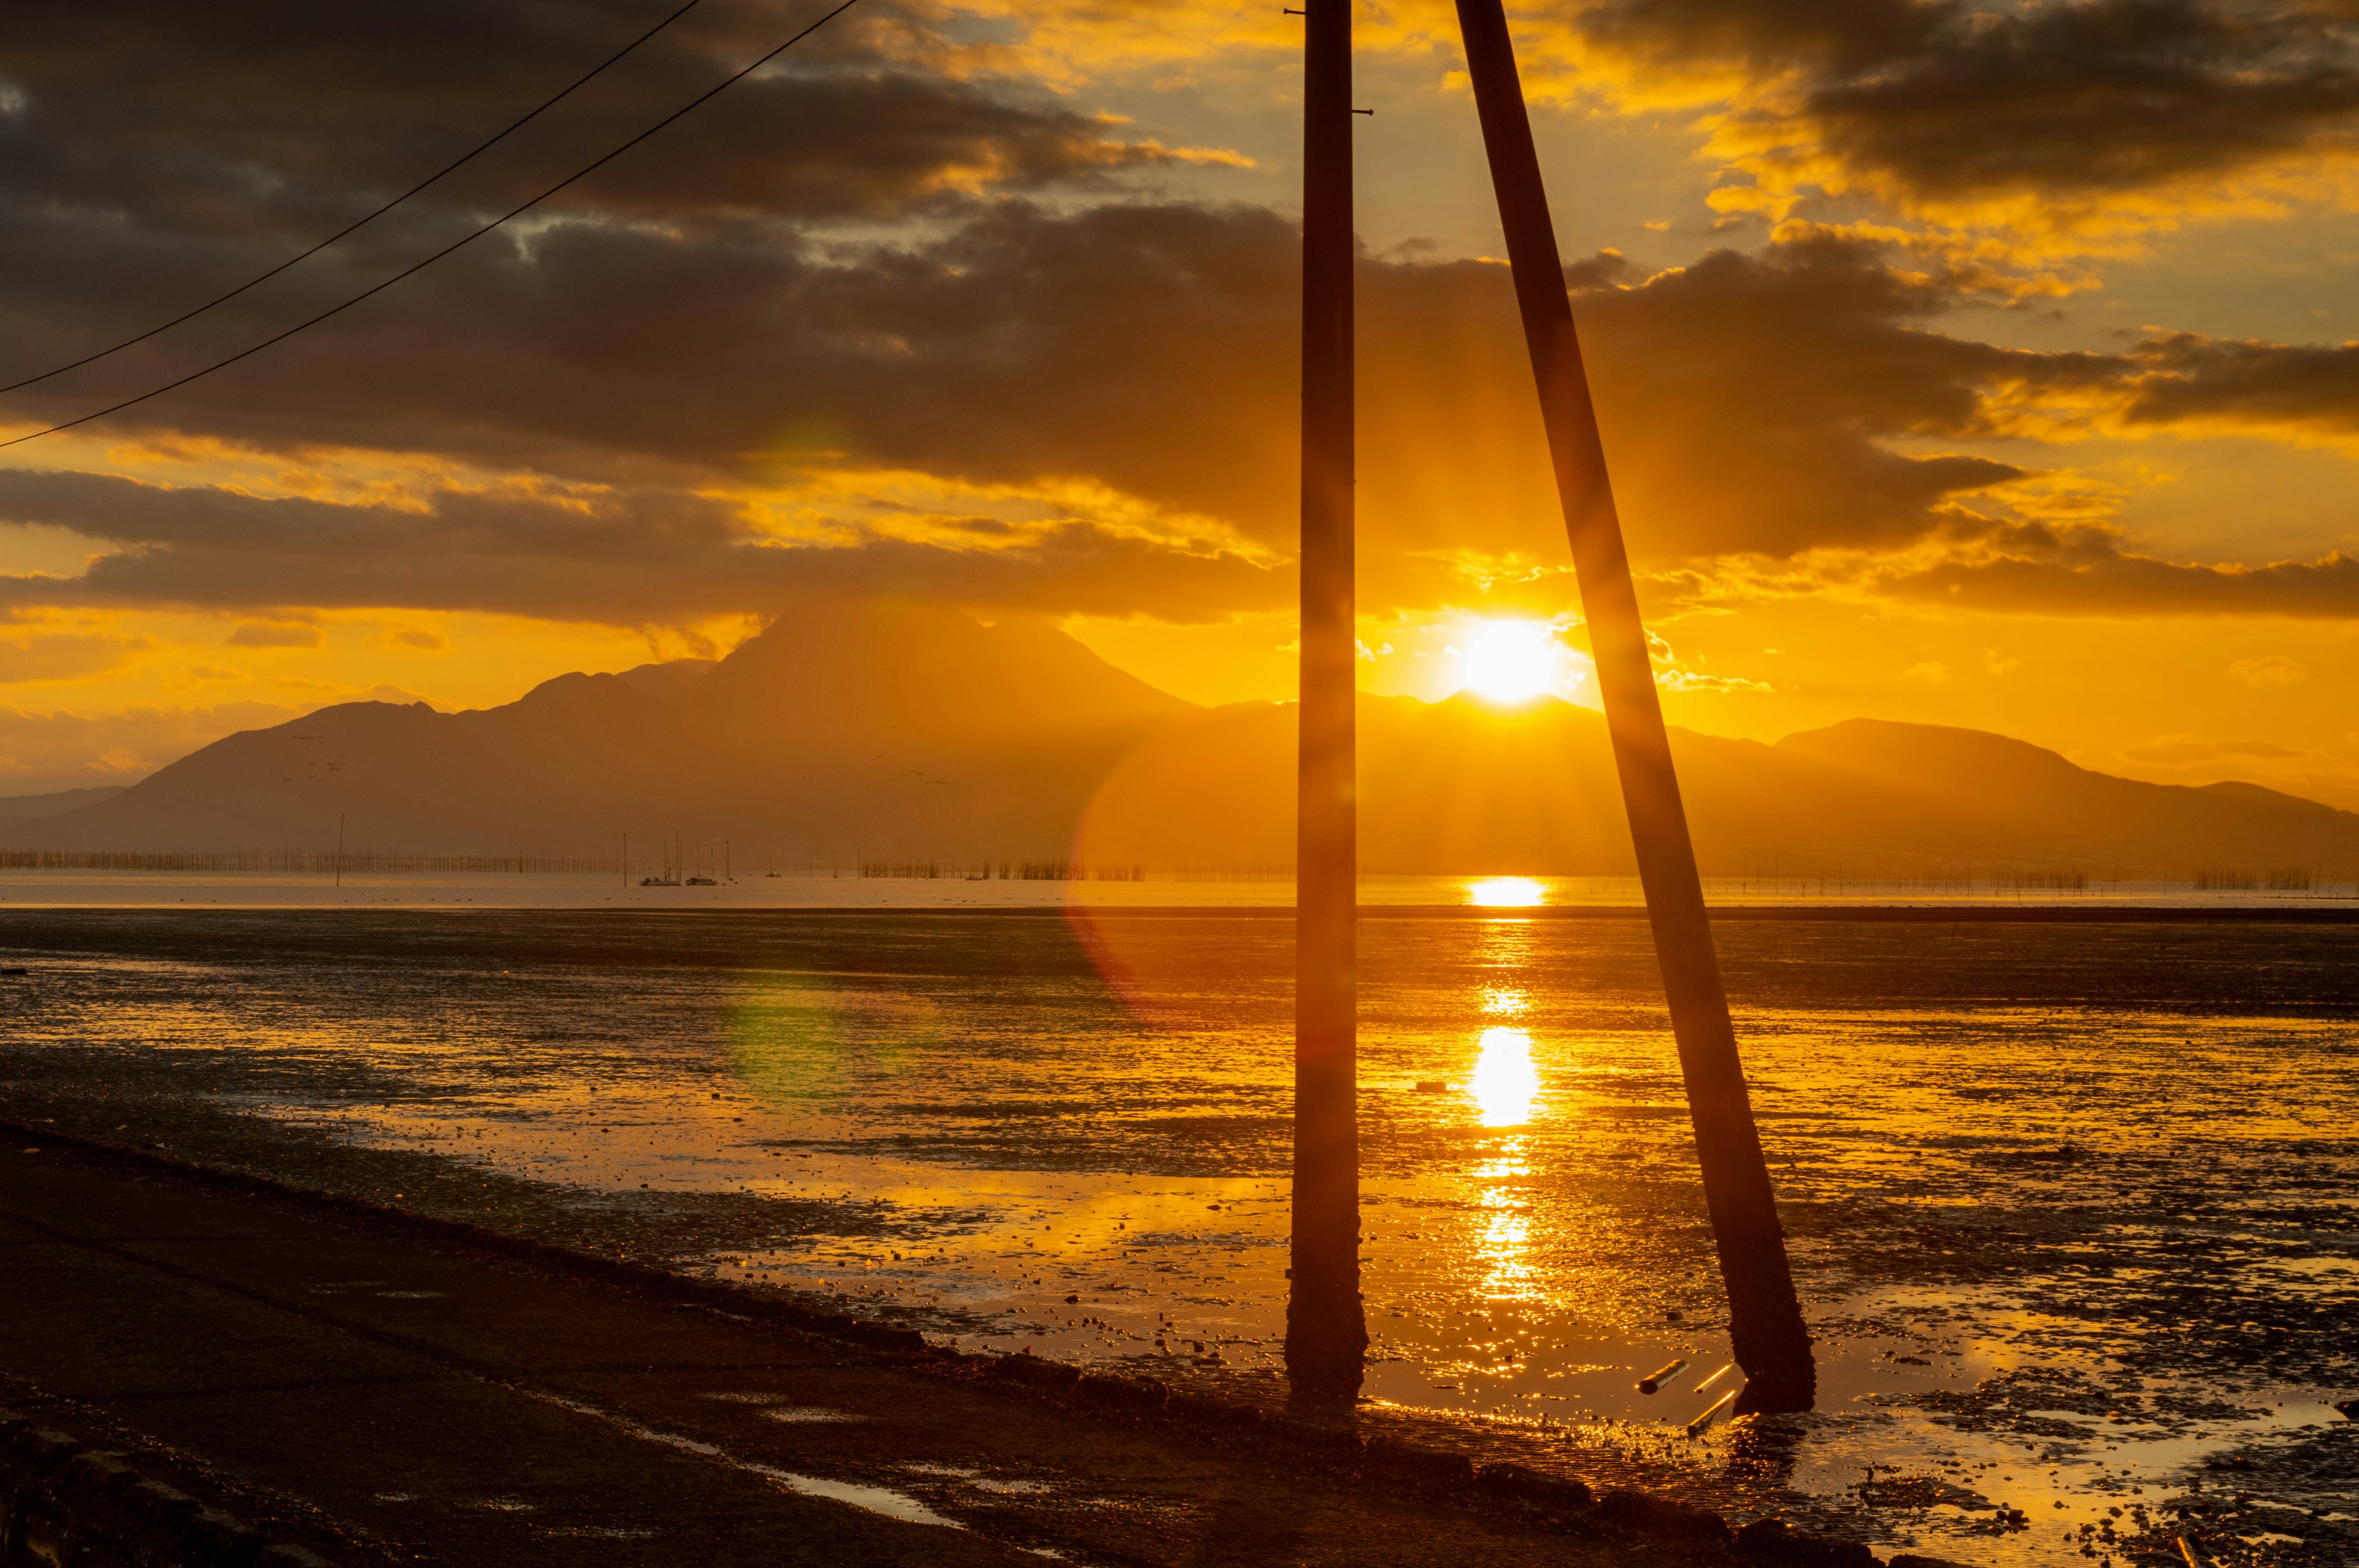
x: 455, y: 245
x: 370, y: 218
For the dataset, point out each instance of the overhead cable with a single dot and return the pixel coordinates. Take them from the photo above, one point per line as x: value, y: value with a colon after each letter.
x: 455, y: 245
x: 363, y: 222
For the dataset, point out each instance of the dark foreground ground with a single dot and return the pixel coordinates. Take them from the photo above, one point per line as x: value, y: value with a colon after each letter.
x: 379, y: 1399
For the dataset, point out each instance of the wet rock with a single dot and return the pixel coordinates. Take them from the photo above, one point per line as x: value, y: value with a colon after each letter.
x: 1335, y: 1442
x: 1124, y: 1394
x: 1775, y: 1541
x: 884, y: 1336
x: 1643, y: 1515
x: 159, y: 1505
x: 1431, y: 1465
x: 1524, y: 1484
x: 1206, y: 1410
x: 1025, y: 1367
x: 60, y: 1502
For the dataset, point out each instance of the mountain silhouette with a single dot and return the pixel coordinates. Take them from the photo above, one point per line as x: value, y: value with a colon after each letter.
x: 881, y: 730
x: 21, y: 807
x: 849, y: 728
x: 1462, y: 786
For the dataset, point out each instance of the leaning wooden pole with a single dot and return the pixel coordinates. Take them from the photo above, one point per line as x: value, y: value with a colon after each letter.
x: 1765, y: 1315
x: 1326, y: 1329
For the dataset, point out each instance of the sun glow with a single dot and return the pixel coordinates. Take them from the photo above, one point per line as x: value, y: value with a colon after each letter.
x: 1506, y: 892
x: 1505, y: 1083
x: 1509, y: 662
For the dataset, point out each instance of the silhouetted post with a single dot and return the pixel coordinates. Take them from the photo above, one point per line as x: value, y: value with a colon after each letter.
x: 1326, y: 1331
x: 340, y: 848
x: 1765, y: 1315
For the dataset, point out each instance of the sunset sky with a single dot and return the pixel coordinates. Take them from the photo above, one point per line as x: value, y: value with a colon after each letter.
x: 1983, y: 366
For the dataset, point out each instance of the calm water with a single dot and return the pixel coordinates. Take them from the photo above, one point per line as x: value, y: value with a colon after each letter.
x: 2072, y: 1205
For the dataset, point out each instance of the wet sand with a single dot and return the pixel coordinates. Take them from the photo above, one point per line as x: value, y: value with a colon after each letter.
x: 2071, y: 1204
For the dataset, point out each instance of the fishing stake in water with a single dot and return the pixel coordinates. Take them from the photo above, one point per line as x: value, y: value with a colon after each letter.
x: 1711, y: 1410
x: 1661, y: 1376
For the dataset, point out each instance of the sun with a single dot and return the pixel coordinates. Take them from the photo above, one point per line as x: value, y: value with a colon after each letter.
x: 1506, y: 892
x: 1510, y: 661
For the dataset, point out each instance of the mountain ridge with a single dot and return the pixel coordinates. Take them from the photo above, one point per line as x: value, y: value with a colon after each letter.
x: 885, y: 730
x: 1536, y: 791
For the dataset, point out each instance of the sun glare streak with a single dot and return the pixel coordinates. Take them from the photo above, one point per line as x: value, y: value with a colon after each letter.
x: 1506, y: 1083
x: 1506, y: 892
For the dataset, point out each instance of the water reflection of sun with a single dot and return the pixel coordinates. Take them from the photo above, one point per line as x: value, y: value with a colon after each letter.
x: 1505, y: 1083
x: 1502, y: 1244
x: 1506, y: 892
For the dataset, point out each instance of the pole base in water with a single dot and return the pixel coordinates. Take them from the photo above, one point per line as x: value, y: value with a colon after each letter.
x: 1338, y: 1388
x: 1326, y: 1339
x: 1773, y: 1395
x: 1325, y: 1379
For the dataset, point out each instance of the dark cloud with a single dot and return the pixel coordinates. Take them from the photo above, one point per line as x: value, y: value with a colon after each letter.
x: 638, y: 558
x: 1019, y: 344
x: 2183, y: 378
x: 1151, y: 348
x: 266, y: 635
x: 257, y: 120
x: 2091, y: 571
x: 1750, y: 397
x: 1950, y: 99
x: 152, y: 155
x: 690, y: 327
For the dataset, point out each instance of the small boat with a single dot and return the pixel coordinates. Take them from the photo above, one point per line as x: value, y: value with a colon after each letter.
x: 660, y: 881
x: 703, y: 882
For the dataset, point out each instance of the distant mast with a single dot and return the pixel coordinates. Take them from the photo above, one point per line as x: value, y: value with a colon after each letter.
x: 1326, y: 1327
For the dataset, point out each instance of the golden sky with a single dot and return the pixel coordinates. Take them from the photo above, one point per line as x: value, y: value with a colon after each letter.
x: 1991, y: 367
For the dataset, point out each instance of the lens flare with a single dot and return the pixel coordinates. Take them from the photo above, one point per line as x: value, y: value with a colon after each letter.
x: 1506, y: 1083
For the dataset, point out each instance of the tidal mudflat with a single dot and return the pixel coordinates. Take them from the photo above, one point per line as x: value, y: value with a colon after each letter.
x: 2072, y: 1205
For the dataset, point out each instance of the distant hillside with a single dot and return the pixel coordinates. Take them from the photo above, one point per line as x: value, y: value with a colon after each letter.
x: 849, y: 728
x: 885, y: 731
x: 1461, y: 786
x: 24, y: 807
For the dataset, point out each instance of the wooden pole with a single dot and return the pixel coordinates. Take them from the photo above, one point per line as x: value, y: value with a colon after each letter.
x: 1765, y: 1315
x: 1326, y: 1328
